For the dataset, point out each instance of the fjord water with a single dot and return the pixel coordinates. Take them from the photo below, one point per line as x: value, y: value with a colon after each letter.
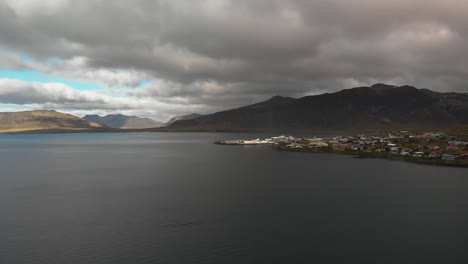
x: 178, y: 198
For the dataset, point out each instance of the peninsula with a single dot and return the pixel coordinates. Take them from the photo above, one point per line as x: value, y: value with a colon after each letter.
x: 433, y: 148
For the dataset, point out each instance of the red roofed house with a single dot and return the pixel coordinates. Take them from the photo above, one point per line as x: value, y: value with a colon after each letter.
x: 452, y: 148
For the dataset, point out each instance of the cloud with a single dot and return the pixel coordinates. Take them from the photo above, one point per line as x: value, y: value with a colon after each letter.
x: 75, y: 68
x: 58, y: 96
x: 19, y: 92
x: 223, y: 53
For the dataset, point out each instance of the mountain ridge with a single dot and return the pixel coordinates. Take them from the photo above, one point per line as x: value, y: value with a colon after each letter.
x: 121, y: 121
x: 380, y: 106
x: 45, y: 120
x: 182, y: 117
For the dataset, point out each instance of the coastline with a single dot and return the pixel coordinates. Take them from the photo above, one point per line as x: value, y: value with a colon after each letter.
x: 460, y: 163
x: 434, y: 162
x: 429, y: 148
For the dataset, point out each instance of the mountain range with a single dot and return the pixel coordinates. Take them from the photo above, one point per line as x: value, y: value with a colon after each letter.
x: 380, y: 106
x: 124, y: 122
x: 45, y: 121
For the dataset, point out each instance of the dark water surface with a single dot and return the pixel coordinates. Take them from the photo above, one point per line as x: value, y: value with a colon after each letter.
x: 178, y: 198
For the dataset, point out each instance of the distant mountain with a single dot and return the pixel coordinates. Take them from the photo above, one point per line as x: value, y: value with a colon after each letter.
x: 124, y: 122
x: 380, y: 106
x: 182, y: 117
x: 44, y: 120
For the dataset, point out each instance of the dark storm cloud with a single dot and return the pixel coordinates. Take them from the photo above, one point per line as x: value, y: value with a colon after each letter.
x: 249, y: 50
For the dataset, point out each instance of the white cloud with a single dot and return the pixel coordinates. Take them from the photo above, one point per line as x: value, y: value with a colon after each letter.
x: 64, y: 98
x: 76, y: 68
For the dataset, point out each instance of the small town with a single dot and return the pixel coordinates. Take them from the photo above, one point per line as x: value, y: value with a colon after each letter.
x: 430, y: 148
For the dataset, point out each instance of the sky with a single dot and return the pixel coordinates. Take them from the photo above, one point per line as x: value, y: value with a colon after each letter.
x: 160, y: 58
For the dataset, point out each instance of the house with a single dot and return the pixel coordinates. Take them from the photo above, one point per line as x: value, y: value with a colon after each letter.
x: 394, y: 150
x: 343, y: 140
x: 440, y: 134
x: 405, y: 152
x: 293, y: 145
x: 425, y: 136
x: 452, y: 148
x: 279, y: 139
x: 340, y: 146
x: 435, y: 154
x: 356, y: 147
x: 433, y: 147
x: 252, y: 141
x: 315, y: 140
x: 371, y: 148
x: 318, y: 145
x: 458, y: 143
x: 448, y: 157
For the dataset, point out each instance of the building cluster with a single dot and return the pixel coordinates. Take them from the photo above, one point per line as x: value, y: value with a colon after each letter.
x: 427, y: 145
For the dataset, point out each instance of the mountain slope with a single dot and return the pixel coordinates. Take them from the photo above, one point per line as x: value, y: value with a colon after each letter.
x: 182, y: 117
x: 44, y: 120
x: 124, y: 122
x: 377, y: 107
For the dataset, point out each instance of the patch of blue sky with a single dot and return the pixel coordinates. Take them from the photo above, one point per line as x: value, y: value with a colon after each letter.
x: 28, y: 58
x: 23, y: 56
x: 143, y: 83
x: 4, y: 107
x: 35, y: 76
x: 52, y: 60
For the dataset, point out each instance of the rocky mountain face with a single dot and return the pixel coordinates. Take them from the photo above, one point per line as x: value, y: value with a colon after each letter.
x: 124, y: 122
x: 380, y: 106
x: 44, y: 120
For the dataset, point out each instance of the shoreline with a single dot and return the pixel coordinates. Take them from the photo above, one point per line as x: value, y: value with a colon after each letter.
x: 426, y: 149
x: 374, y: 156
